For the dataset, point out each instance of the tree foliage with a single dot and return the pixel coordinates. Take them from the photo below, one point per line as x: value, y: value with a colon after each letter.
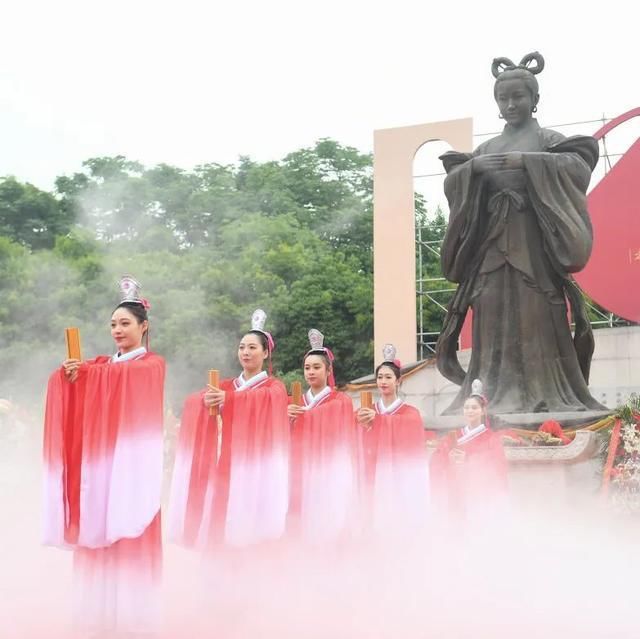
x: 29, y: 216
x: 209, y: 246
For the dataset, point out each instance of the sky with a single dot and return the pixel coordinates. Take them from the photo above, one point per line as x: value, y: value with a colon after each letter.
x: 193, y: 82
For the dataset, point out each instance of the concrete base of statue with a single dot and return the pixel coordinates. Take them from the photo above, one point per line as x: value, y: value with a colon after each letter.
x: 555, y: 479
x: 543, y: 478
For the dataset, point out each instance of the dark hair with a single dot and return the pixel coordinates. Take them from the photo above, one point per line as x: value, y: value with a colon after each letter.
x: 136, y: 309
x: 322, y: 354
x: 504, y: 69
x: 262, y: 337
x: 392, y: 366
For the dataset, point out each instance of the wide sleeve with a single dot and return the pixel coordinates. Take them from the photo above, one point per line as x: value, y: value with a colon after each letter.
x: 486, y: 461
x: 104, y: 451
x: 266, y: 404
x: 412, y: 429
x: 251, y: 492
x: 557, y: 182
x: 463, y: 191
x: 196, y: 456
x: 400, y: 481
x: 56, y: 464
x: 442, y: 477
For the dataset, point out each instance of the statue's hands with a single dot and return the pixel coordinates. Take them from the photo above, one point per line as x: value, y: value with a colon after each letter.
x: 497, y: 162
x: 457, y: 456
x: 513, y: 160
x: 488, y: 163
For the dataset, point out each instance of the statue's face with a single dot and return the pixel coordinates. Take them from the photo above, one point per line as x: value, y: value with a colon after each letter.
x: 514, y: 101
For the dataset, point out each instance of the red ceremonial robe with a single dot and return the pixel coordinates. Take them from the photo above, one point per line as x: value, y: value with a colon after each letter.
x: 323, y: 504
x: 475, y: 489
x: 396, y: 470
x: 240, y: 496
x: 103, y: 456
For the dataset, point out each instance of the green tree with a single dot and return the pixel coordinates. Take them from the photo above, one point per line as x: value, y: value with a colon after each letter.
x: 30, y: 216
x: 209, y: 246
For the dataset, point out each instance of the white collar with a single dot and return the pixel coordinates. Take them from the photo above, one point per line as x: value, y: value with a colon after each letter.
x: 470, y: 433
x: 392, y: 408
x: 243, y: 384
x: 312, y: 400
x: 125, y: 357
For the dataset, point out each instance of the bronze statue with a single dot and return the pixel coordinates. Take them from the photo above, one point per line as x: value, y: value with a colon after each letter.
x: 518, y: 228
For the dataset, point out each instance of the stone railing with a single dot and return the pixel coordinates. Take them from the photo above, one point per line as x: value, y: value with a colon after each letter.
x: 582, y: 447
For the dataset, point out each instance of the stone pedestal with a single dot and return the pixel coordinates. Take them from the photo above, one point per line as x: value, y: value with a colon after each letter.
x: 554, y: 477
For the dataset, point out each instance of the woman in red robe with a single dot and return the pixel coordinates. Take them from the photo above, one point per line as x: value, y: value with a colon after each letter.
x: 471, y: 466
x: 323, y: 505
x: 233, y: 490
x: 103, y: 455
x: 395, y: 464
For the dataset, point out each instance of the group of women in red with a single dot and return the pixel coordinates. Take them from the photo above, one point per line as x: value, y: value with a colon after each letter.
x: 253, y: 469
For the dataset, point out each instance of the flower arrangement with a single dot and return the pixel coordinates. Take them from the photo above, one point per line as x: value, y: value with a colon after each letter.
x: 625, y: 474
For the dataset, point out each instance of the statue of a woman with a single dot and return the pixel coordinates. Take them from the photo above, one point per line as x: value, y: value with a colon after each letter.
x: 518, y: 228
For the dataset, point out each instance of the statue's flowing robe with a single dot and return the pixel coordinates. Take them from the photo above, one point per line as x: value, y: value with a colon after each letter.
x: 513, y: 240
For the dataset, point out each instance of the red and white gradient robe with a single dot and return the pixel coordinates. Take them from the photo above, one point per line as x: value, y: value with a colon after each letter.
x: 240, y: 497
x: 324, y: 489
x: 474, y: 491
x: 103, y: 456
x: 396, y: 470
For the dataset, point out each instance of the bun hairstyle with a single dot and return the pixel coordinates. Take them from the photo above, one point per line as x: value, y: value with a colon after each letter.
x: 137, y: 309
x: 390, y: 360
x: 316, y: 341
x: 392, y: 365
x: 477, y: 392
x: 131, y: 300
x: 321, y: 354
x: 258, y: 320
x: 504, y: 69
